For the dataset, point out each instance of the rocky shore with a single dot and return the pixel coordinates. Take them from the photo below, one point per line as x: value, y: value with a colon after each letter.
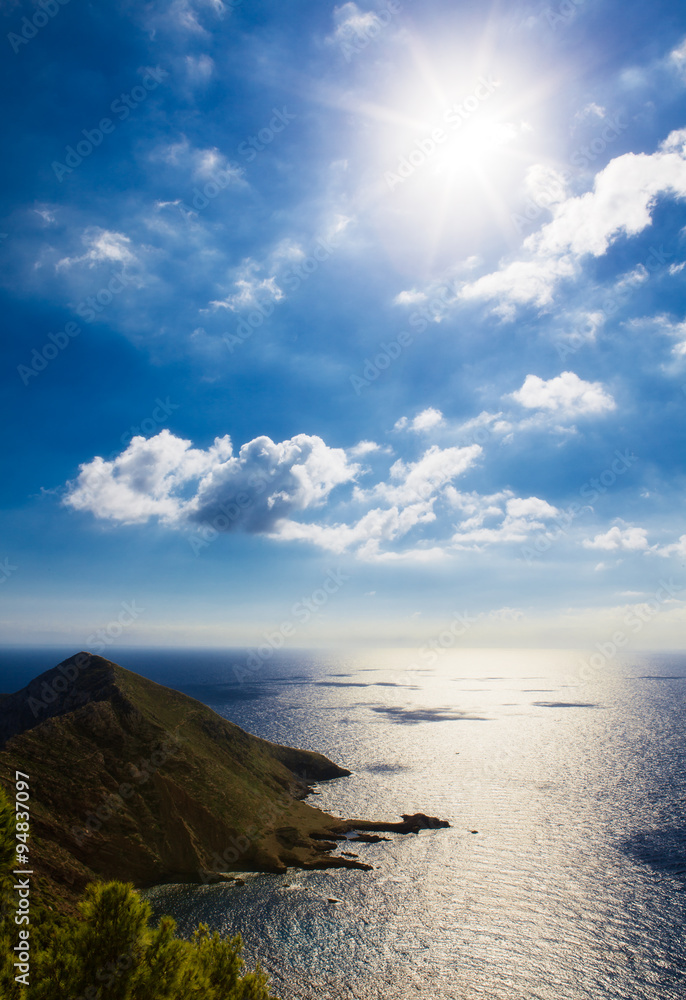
x: 135, y: 781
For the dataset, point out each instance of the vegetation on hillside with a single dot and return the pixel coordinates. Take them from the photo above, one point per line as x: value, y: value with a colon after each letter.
x: 110, y: 951
x: 134, y: 781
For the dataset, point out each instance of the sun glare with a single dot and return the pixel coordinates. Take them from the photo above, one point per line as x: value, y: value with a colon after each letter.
x: 450, y: 148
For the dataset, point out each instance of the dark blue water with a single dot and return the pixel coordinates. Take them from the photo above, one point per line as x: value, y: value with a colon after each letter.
x: 563, y: 875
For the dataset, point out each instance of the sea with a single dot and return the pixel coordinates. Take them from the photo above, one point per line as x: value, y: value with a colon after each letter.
x: 562, y: 774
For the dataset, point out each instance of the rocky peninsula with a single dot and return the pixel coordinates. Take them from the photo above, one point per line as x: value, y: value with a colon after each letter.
x: 135, y: 781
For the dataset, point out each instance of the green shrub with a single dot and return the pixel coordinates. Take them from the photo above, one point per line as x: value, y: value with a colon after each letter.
x: 110, y: 951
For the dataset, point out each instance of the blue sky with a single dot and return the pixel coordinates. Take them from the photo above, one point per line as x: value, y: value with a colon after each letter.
x: 378, y: 302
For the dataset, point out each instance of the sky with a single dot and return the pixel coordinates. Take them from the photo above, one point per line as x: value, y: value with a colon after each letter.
x: 355, y: 323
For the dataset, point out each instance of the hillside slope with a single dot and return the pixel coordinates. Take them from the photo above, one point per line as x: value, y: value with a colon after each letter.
x: 135, y: 781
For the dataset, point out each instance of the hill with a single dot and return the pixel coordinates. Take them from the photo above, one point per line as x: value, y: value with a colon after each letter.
x: 134, y: 781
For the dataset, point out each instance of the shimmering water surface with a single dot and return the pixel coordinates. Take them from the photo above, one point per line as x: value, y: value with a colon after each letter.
x: 563, y: 875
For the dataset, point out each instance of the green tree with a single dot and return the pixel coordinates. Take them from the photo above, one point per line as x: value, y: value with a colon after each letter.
x: 110, y: 951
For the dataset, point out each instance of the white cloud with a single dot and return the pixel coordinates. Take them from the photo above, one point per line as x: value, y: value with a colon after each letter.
x: 545, y: 185
x: 621, y: 203
x: 252, y: 289
x: 253, y: 491
x: 202, y: 163
x: 409, y: 298
x: 675, y: 549
x: 146, y: 480
x: 424, y: 421
x: 591, y: 110
x: 366, y: 535
x: 531, y: 507
x: 363, y: 448
x: 481, y: 427
x: 414, y: 513
x: 258, y: 283
x: 102, y: 245
x: 512, y: 519
x: 678, y: 57
x: 46, y: 215
x: 353, y: 23
x: 678, y: 331
x: 183, y: 14
x: 629, y: 539
x: 423, y: 479
x: 265, y: 486
x: 664, y: 324
x: 199, y: 68
x: 521, y: 282
x: 566, y: 395
x: 675, y: 142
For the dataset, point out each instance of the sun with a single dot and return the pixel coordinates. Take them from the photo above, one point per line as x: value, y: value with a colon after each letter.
x: 444, y: 149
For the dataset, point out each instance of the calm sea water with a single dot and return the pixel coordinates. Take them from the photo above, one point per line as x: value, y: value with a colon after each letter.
x: 563, y: 875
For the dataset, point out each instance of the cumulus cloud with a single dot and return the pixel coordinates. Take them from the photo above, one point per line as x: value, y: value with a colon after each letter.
x: 677, y: 58
x: 424, y: 421
x: 621, y: 203
x: 545, y: 185
x: 265, y: 487
x: 377, y: 526
x: 566, y: 394
x: 591, y: 110
x: 302, y: 490
x: 421, y: 480
x: 199, y: 68
x: 253, y: 289
x: 629, y: 539
x: 521, y: 282
x: 409, y: 297
x: 409, y: 497
x: 677, y: 548
x: 102, y: 246
x: 353, y: 23
x: 531, y: 507
x: 363, y: 448
x: 499, y: 519
x: 252, y: 491
x: 202, y: 163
